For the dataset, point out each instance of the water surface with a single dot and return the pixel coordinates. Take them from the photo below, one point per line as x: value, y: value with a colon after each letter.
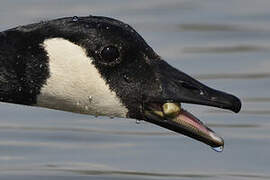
x: 225, y: 44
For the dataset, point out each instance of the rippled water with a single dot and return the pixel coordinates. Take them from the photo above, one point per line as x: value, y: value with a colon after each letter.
x: 225, y: 44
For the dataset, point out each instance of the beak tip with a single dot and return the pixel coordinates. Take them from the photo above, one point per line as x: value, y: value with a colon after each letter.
x: 219, y: 140
x: 236, y: 105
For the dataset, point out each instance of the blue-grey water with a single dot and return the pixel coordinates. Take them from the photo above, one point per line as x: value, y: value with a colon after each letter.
x: 225, y: 44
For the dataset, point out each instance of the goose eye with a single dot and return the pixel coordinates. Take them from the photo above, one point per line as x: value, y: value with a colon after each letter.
x: 109, y: 54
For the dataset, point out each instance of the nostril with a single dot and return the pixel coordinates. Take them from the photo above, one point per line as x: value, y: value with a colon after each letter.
x: 188, y: 86
x: 192, y: 88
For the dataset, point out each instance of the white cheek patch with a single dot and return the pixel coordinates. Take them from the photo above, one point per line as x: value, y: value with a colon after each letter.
x: 75, y: 84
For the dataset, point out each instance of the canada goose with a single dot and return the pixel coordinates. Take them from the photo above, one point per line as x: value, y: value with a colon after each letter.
x: 101, y: 66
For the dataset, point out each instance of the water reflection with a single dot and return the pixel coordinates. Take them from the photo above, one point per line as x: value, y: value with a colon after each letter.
x: 102, y: 170
x: 228, y: 49
x: 89, y: 130
x: 214, y: 27
x: 254, y: 112
x: 256, y: 99
x: 233, y: 76
x: 234, y: 125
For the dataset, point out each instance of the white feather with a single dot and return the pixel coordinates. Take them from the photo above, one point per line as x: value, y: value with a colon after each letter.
x: 75, y: 84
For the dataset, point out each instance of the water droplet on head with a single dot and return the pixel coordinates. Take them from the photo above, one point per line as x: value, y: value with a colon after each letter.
x: 30, y: 91
x: 98, y: 25
x: 90, y: 98
x: 107, y: 27
x: 87, y: 26
x: 218, y: 149
x: 20, y: 89
x: 41, y: 65
x: 126, y: 78
x: 138, y: 121
x: 75, y: 18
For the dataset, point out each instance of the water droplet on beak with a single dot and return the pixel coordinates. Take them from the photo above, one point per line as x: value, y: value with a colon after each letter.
x: 201, y: 93
x: 218, y: 149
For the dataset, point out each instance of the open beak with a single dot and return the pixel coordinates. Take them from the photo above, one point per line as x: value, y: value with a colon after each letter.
x: 163, y: 107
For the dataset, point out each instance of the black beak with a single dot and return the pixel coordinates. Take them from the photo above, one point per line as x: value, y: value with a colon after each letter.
x: 177, y: 87
x: 180, y: 87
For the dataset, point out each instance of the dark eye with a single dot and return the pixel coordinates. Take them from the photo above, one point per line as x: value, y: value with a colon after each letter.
x: 109, y: 54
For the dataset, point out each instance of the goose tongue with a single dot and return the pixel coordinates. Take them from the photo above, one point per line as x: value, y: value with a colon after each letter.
x: 196, y: 129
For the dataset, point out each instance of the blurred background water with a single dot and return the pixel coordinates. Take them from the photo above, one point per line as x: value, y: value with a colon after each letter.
x: 225, y: 44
